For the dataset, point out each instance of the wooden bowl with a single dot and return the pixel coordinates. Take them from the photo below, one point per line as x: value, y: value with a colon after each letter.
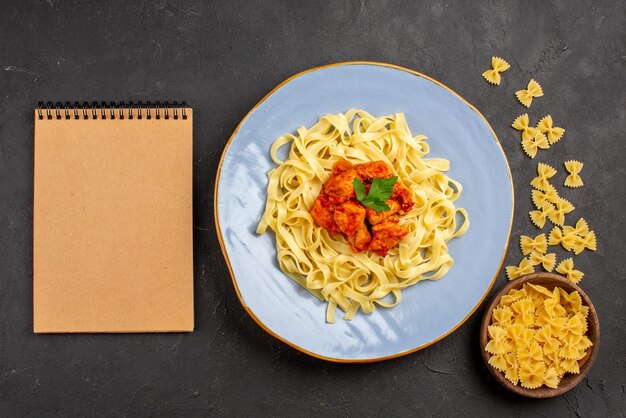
x: 550, y: 281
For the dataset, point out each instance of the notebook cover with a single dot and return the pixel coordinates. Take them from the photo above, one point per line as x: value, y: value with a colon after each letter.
x: 112, y: 225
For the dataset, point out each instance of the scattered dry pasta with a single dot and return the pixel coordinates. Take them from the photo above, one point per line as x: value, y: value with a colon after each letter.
x: 522, y: 123
x: 537, y: 335
x: 533, y: 89
x: 581, y: 228
x: 574, y: 238
x: 547, y: 200
x: 553, y: 133
x: 549, y: 196
x: 573, y: 167
x: 498, y: 65
x: 531, y: 145
x: 525, y: 267
x: 546, y: 260
x: 587, y: 242
x: 538, y: 244
x: 557, y: 214
x: 538, y: 217
x: 557, y: 236
x: 544, y: 173
x: 566, y: 267
x: 541, y: 136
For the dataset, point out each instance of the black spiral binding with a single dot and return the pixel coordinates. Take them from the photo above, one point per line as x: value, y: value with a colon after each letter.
x: 112, y: 110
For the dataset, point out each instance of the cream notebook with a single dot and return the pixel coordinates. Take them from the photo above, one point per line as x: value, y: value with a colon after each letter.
x: 112, y: 219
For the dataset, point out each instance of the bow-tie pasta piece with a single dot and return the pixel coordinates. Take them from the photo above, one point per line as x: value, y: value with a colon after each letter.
x: 498, y: 343
x: 567, y: 240
x: 532, y: 145
x: 533, y: 89
x: 557, y: 213
x: 551, y: 378
x: 553, y: 308
x: 502, y: 316
x: 538, y: 217
x: 537, y: 289
x: 574, y: 168
x: 512, y: 296
x: 531, y: 374
x: 555, y: 362
x: 544, y: 173
x: 528, y: 244
x: 572, y: 301
x: 520, y: 336
x: 553, y: 133
x: 566, y: 267
x: 587, y: 242
x: 512, y: 370
x: 581, y: 228
x: 570, y: 366
x: 539, y: 198
x: 533, y: 353
x: 524, y: 312
x: 498, y: 65
x: 584, y: 343
x: 498, y: 362
x: 522, y: 123
x: 565, y: 204
x: 524, y: 267
x: 546, y: 260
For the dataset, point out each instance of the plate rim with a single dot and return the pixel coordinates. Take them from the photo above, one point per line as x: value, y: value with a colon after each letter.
x: 220, y: 238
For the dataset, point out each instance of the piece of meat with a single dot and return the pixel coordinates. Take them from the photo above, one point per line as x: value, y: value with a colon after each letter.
x: 403, y: 197
x: 374, y: 217
x: 361, y: 239
x: 349, y: 216
x: 386, y: 235
x: 339, y: 188
x: 342, y: 165
x: 337, y: 210
x: 372, y: 170
x: 323, y: 215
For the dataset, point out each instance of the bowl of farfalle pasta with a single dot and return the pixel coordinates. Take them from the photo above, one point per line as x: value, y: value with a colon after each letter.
x: 540, y: 335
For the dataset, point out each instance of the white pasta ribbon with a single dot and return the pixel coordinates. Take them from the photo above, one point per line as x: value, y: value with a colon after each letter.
x: 326, y: 265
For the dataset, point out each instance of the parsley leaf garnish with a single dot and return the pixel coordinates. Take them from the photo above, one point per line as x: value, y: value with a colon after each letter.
x: 380, y: 191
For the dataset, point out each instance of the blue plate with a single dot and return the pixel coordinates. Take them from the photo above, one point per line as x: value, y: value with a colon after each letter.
x: 430, y: 310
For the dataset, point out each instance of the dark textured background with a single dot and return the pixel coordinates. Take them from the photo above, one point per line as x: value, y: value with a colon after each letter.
x: 223, y: 58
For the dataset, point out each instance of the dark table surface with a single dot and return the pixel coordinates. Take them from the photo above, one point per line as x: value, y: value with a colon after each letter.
x: 223, y: 57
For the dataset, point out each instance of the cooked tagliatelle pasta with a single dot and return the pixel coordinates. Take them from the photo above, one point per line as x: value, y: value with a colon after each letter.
x: 324, y: 263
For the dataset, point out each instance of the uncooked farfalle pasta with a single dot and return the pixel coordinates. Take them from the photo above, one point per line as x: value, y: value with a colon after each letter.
x: 522, y: 123
x: 544, y: 174
x: 553, y: 133
x: 538, y: 335
x: 498, y: 65
x: 526, y: 96
x: 324, y: 263
x: 533, y: 144
x: 566, y: 267
x: 525, y: 267
x: 547, y: 261
x: 574, y: 168
x: 574, y: 238
x: 537, y: 137
x: 554, y: 208
x: 528, y: 244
